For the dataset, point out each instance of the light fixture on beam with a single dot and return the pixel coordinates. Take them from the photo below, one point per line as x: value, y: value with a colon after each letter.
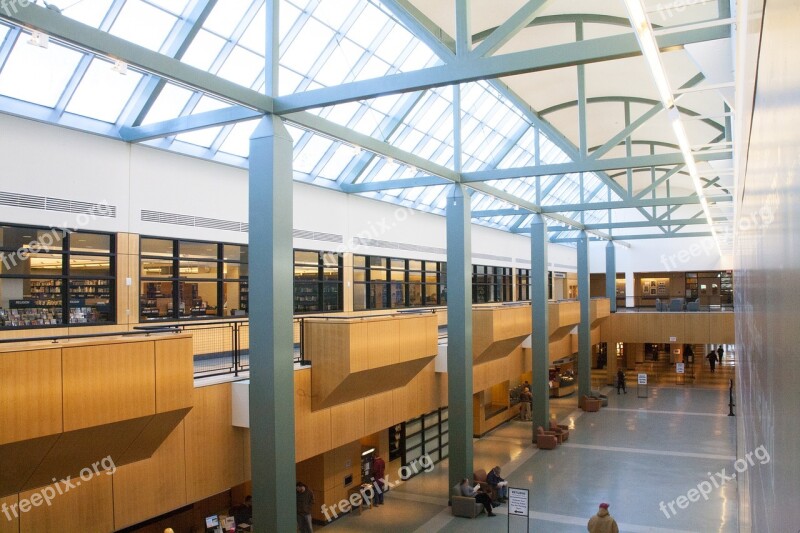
x: 120, y: 67
x: 39, y: 39
x: 647, y: 42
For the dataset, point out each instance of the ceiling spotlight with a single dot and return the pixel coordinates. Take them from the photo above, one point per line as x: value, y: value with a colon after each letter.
x: 120, y: 67
x: 39, y: 39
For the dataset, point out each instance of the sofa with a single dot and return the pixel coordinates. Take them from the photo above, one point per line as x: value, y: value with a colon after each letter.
x: 464, y: 506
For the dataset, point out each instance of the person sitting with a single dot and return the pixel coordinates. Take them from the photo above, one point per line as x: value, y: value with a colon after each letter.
x: 480, y: 497
x: 498, y: 484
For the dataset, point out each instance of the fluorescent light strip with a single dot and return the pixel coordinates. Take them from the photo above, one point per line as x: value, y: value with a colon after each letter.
x: 651, y: 53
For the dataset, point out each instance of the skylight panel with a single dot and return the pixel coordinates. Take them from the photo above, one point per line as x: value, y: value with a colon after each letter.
x: 335, y: 166
x: 175, y: 7
x: 310, y: 155
x: 288, y: 15
x: 393, y: 44
x: 204, y: 138
x: 169, y: 104
x: 414, y: 193
x: 368, y: 25
x: 340, y: 63
x: 420, y: 57
x: 242, y: 67
x: 238, y: 140
x: 370, y: 124
x: 254, y: 36
x: 374, y: 68
x: 103, y: 92
x: 37, y: 75
x: 204, y: 50
x: 208, y: 103
x: 226, y: 16
x: 135, y: 16
x: 385, y: 104
x: 334, y: 13
x: 308, y: 46
x: 288, y: 81
x: 89, y: 13
x: 410, y: 140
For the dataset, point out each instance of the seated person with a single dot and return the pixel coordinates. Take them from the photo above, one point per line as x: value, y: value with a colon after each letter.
x: 498, y: 484
x: 243, y: 514
x: 480, y: 497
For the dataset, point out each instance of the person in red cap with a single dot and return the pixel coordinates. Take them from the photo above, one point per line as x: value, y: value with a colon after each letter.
x: 602, y: 522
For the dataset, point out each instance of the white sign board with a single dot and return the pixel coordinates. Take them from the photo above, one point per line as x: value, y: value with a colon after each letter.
x: 679, y: 368
x: 642, y: 379
x: 517, y: 502
x: 673, y: 339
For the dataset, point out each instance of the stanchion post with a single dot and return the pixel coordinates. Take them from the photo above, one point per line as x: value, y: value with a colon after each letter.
x: 730, y: 401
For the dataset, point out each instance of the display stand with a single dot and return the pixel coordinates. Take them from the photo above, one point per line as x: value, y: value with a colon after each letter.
x: 641, y: 386
x: 518, y: 510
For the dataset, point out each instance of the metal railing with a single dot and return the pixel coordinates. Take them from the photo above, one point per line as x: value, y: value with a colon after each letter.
x: 667, y: 304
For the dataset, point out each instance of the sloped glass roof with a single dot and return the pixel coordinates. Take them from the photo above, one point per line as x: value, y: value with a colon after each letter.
x: 322, y: 44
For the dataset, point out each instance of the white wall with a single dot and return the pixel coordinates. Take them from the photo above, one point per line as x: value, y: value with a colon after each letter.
x: 660, y: 255
x: 42, y: 160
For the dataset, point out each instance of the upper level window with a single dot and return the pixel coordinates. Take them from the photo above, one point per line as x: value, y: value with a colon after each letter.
x: 491, y: 284
x: 317, y: 281
x: 523, y: 284
x: 390, y: 283
x: 52, y: 277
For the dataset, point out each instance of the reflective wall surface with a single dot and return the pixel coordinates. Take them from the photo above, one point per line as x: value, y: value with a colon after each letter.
x: 768, y: 284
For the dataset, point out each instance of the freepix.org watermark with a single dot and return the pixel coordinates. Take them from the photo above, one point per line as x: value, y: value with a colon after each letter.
x: 715, y: 481
x: 45, y: 241
x: 668, y: 11
x: 368, y: 492
x: 48, y: 494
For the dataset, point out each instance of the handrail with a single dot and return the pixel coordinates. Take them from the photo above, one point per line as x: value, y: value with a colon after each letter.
x: 56, y: 338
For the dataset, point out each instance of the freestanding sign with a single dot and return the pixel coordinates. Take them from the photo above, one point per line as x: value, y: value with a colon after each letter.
x: 680, y: 368
x: 680, y: 374
x: 518, y: 507
x: 641, y: 388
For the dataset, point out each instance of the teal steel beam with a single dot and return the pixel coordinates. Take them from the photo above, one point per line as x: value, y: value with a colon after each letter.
x: 582, y: 126
x: 488, y: 213
x: 463, y: 29
x: 540, y: 337
x: 626, y: 204
x: 473, y: 69
x: 405, y: 183
x: 635, y: 224
x: 584, y: 326
x: 653, y: 186
x: 422, y: 27
x: 459, y: 334
x: 589, y: 165
x: 218, y: 117
x: 64, y: 29
x: 271, y: 367
x: 643, y: 237
x: 507, y: 30
x: 611, y: 275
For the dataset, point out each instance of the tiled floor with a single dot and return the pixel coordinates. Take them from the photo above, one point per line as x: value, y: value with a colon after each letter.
x: 634, y: 454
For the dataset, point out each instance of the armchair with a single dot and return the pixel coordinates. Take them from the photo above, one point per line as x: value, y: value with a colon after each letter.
x: 545, y: 440
x: 464, y: 506
x: 479, y: 476
x: 560, y: 430
x: 590, y: 404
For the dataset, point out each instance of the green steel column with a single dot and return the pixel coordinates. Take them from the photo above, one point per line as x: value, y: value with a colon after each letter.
x: 540, y: 340
x: 271, y: 366
x: 584, y: 327
x: 611, y: 275
x: 459, y: 333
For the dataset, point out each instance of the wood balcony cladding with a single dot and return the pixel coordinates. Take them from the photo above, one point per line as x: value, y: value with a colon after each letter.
x: 67, y: 405
x: 498, y: 330
x: 357, y: 357
x: 599, y: 308
x: 562, y: 317
x: 687, y: 327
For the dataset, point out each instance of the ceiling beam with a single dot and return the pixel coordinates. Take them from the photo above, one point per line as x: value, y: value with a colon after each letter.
x: 589, y: 165
x: 468, y: 69
x: 644, y: 237
x: 628, y: 204
x: 633, y: 224
x: 200, y: 121
x: 388, y: 185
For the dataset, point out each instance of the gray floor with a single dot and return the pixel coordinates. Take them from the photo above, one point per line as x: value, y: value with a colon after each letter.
x: 634, y: 454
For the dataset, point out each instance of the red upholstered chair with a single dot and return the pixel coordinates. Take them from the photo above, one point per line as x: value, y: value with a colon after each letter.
x: 561, y: 431
x: 545, y: 440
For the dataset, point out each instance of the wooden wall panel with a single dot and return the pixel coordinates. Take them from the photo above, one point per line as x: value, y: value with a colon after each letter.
x: 355, y: 358
x: 721, y: 328
x: 85, y: 508
x: 378, y: 412
x: 19, y: 460
x: 148, y: 488
x: 210, y: 434
x: 312, y: 429
x: 107, y: 383
x: 696, y: 328
x: 30, y: 394
x: 383, y: 342
x: 10, y: 523
x: 347, y: 422
x: 174, y: 374
x: 673, y: 325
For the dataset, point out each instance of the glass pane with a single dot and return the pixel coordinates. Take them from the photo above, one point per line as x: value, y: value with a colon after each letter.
x: 234, y: 270
x: 135, y: 16
x: 414, y: 294
x: 414, y: 265
x: 198, y: 299
x: 86, y: 265
x: 330, y: 274
x: 330, y: 297
x: 306, y: 258
x: 157, y: 268
x: 30, y: 302
x: 378, y: 296
x: 234, y: 302
x: 430, y: 294
x: 198, y: 249
x: 306, y: 273
x: 398, y: 275
x: 155, y: 300
x: 103, y: 92
x: 234, y: 252
x: 158, y: 247
x: 359, y: 297
x: 90, y: 242
x: 90, y: 301
x: 359, y: 274
x: 306, y: 297
x: 377, y: 261
x: 198, y: 269
x: 359, y: 260
x: 377, y: 274
x: 45, y: 240
x: 43, y: 264
x: 398, y: 295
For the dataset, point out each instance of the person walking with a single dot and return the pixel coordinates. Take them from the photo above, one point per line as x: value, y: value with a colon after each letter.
x: 712, y: 360
x: 379, y: 473
x: 602, y: 522
x: 621, y: 381
x: 525, y: 399
x: 305, y: 499
x: 720, y: 353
